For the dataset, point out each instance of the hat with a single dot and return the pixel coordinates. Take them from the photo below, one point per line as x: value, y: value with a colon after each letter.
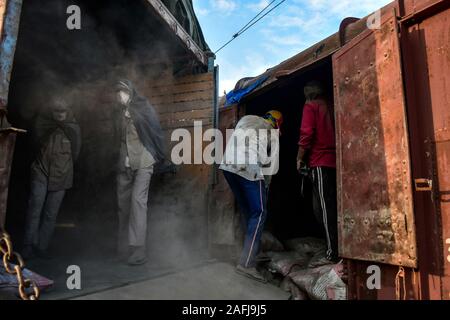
x: 275, y: 118
x: 124, y: 84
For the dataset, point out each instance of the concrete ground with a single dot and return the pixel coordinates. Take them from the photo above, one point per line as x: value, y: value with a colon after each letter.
x: 176, y: 273
x: 213, y: 281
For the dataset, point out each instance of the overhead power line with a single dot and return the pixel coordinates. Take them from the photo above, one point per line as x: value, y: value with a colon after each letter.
x: 255, y: 17
x: 252, y: 22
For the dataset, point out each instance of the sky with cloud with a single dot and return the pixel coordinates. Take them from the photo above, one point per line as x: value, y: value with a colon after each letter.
x: 289, y: 29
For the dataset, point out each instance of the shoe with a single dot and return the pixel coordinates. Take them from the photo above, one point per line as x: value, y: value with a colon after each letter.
x: 251, y: 273
x: 263, y: 257
x: 138, y: 257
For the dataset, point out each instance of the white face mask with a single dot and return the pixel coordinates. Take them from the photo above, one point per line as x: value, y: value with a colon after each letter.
x: 124, y: 97
x: 59, y: 115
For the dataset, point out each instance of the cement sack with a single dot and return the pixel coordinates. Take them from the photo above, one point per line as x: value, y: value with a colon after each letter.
x: 309, y: 246
x: 270, y: 243
x: 322, y: 283
x: 289, y: 286
x: 286, y: 262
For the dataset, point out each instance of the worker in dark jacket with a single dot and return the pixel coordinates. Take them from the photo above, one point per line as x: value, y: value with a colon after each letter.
x: 317, y: 149
x: 142, y: 147
x: 58, y: 142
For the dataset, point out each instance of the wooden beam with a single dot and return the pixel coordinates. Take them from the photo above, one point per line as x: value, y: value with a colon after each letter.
x: 167, y: 18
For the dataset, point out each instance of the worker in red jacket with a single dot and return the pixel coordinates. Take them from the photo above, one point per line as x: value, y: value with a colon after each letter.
x: 317, y: 150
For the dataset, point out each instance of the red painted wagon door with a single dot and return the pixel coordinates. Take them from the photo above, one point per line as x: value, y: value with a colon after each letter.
x: 375, y: 208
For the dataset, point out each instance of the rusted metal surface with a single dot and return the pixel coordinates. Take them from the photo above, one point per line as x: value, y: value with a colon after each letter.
x: 10, y: 16
x: 422, y: 159
x: 343, y: 28
x: 436, y: 39
x: 7, y: 141
x: 426, y: 61
x: 375, y: 211
x: 413, y: 11
x: 393, y: 285
x: 166, y: 16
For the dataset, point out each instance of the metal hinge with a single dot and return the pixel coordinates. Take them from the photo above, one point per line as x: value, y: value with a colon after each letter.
x: 423, y: 185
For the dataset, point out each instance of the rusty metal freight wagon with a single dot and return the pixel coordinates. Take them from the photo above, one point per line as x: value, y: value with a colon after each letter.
x: 391, y: 90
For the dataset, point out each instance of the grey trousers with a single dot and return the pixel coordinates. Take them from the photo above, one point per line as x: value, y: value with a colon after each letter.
x: 43, y: 208
x: 132, y: 196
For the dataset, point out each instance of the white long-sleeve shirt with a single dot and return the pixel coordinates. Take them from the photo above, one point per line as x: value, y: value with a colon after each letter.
x: 247, y: 152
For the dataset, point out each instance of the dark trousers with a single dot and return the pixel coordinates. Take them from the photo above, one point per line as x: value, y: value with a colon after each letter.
x: 325, y: 206
x: 43, y: 208
x: 251, y: 198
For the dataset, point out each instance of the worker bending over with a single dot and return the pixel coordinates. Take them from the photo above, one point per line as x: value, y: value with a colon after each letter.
x: 248, y: 170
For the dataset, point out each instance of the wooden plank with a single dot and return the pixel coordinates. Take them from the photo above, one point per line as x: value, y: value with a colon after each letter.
x: 180, y: 88
x: 166, y: 81
x: 183, y: 97
x: 183, y: 106
x: 193, y: 114
x: 187, y: 123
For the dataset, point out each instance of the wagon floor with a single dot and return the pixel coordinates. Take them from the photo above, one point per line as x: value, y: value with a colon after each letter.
x: 213, y: 281
x: 167, y: 276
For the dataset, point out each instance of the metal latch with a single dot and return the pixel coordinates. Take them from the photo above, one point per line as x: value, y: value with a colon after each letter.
x: 423, y: 185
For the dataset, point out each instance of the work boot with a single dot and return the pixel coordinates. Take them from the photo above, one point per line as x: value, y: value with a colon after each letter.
x: 251, y: 273
x: 138, y: 257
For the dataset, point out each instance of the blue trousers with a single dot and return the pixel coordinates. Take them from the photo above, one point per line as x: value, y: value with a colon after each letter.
x: 251, y: 197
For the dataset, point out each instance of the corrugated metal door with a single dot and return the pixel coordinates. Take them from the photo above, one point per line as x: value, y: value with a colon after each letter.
x: 375, y: 211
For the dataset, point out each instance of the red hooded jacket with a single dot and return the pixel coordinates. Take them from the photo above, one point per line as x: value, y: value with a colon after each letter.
x: 317, y: 135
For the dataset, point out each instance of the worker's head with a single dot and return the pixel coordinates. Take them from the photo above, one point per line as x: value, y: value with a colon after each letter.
x: 313, y: 90
x: 124, y: 92
x: 275, y: 118
x: 60, y: 109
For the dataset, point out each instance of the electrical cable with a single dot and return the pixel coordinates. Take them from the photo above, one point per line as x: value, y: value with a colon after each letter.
x: 251, y: 23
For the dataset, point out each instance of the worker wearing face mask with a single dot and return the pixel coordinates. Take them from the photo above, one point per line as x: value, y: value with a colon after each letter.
x: 141, y: 148
x: 58, y: 142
